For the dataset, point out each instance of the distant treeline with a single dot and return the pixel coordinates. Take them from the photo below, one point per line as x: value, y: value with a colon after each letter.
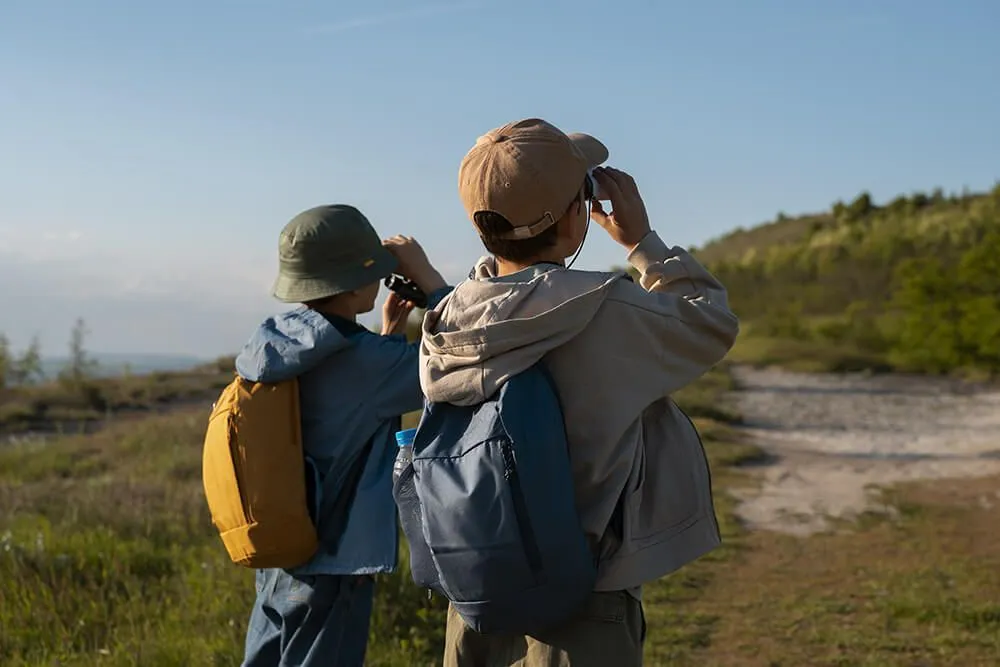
x: 915, y: 282
x: 28, y: 367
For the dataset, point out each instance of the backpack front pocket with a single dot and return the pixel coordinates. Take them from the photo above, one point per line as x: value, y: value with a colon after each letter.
x: 490, y: 553
x: 222, y: 473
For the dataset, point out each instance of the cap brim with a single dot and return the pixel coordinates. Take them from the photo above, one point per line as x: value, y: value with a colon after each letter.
x: 293, y: 289
x: 593, y: 150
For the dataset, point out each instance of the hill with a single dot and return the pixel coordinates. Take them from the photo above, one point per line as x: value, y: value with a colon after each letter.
x: 913, y: 284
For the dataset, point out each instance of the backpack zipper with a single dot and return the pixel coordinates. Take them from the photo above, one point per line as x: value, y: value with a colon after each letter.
x: 531, y: 550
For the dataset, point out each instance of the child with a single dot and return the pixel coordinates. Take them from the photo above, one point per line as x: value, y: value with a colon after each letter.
x: 615, y: 350
x: 354, y: 385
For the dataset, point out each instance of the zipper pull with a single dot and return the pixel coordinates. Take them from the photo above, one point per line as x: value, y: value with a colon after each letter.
x: 508, y: 463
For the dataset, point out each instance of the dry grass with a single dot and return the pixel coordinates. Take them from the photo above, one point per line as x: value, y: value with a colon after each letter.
x: 107, y: 557
x: 61, y: 407
x: 806, y: 356
x: 922, y: 589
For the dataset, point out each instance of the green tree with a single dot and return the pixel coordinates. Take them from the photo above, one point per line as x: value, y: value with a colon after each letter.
x: 899, y: 205
x: 929, y: 336
x: 5, y: 361
x: 979, y: 275
x: 81, y: 366
x: 27, y: 369
x: 919, y: 200
x: 861, y: 207
x: 980, y: 331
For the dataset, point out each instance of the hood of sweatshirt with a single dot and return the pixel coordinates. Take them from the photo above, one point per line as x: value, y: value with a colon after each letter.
x: 491, y: 328
x: 287, y: 345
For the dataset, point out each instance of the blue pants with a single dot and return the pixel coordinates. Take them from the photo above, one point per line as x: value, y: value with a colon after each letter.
x: 309, y: 620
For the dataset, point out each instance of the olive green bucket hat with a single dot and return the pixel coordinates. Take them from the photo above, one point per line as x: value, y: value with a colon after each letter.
x: 329, y: 250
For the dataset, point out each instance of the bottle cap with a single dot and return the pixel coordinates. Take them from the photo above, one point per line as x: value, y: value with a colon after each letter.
x: 405, y: 438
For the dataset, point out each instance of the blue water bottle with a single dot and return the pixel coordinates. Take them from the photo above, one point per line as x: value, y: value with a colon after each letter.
x: 404, y: 439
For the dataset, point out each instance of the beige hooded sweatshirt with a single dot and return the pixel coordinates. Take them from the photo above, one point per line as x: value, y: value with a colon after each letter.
x: 616, y: 352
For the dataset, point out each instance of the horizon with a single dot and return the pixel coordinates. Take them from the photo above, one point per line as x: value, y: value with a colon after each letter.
x: 156, y: 153
x: 170, y: 359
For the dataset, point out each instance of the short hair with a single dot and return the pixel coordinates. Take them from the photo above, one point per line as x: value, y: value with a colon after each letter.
x: 322, y: 302
x: 493, y: 227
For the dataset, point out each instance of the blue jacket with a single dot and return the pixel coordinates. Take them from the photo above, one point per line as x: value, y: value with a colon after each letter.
x: 354, y: 385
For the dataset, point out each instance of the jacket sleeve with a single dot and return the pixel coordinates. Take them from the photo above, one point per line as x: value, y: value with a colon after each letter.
x: 399, y: 390
x: 685, y: 311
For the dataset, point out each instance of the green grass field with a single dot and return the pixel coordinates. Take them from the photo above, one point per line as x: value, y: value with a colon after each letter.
x: 107, y: 557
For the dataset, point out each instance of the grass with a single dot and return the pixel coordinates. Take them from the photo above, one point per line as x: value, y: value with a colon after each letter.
x: 64, y: 407
x: 804, y: 355
x: 918, y: 590
x: 812, y: 355
x: 678, y: 627
x: 107, y: 557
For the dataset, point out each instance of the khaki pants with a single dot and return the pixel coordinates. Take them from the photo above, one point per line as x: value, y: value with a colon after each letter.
x: 608, y: 633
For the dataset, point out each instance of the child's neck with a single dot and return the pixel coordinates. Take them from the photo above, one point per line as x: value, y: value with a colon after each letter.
x: 342, y: 310
x: 505, y: 267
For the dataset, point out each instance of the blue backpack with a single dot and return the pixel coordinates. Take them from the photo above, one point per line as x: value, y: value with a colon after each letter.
x: 488, y: 509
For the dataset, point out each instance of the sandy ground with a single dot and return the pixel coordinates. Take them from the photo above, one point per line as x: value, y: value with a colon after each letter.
x: 836, y: 438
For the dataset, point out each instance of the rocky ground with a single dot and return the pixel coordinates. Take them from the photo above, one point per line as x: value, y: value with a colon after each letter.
x: 835, y: 439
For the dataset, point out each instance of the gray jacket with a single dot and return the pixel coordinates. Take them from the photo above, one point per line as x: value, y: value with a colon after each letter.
x: 616, y: 351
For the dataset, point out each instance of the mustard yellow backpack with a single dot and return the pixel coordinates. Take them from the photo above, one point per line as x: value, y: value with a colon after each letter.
x: 254, y: 474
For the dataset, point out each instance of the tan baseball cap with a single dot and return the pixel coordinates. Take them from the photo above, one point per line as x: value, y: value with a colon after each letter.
x: 527, y: 171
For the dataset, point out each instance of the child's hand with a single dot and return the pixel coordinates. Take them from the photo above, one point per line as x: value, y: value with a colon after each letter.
x: 628, y: 223
x: 395, y: 313
x: 413, y: 263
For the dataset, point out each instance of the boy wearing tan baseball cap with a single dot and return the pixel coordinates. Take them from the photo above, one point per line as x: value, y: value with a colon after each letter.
x: 616, y: 352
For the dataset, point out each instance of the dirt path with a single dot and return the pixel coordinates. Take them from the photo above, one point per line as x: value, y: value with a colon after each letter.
x: 834, y: 437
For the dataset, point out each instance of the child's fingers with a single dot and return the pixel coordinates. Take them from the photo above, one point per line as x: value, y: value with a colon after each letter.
x: 392, y: 302
x: 598, y: 215
x: 394, y: 243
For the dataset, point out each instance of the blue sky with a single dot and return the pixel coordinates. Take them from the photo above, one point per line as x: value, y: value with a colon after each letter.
x: 151, y: 151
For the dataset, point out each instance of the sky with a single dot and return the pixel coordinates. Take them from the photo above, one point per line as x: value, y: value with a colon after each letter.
x: 150, y: 152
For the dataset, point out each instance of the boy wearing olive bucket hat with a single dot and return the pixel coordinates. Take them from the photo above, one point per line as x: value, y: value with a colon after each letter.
x: 353, y: 387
